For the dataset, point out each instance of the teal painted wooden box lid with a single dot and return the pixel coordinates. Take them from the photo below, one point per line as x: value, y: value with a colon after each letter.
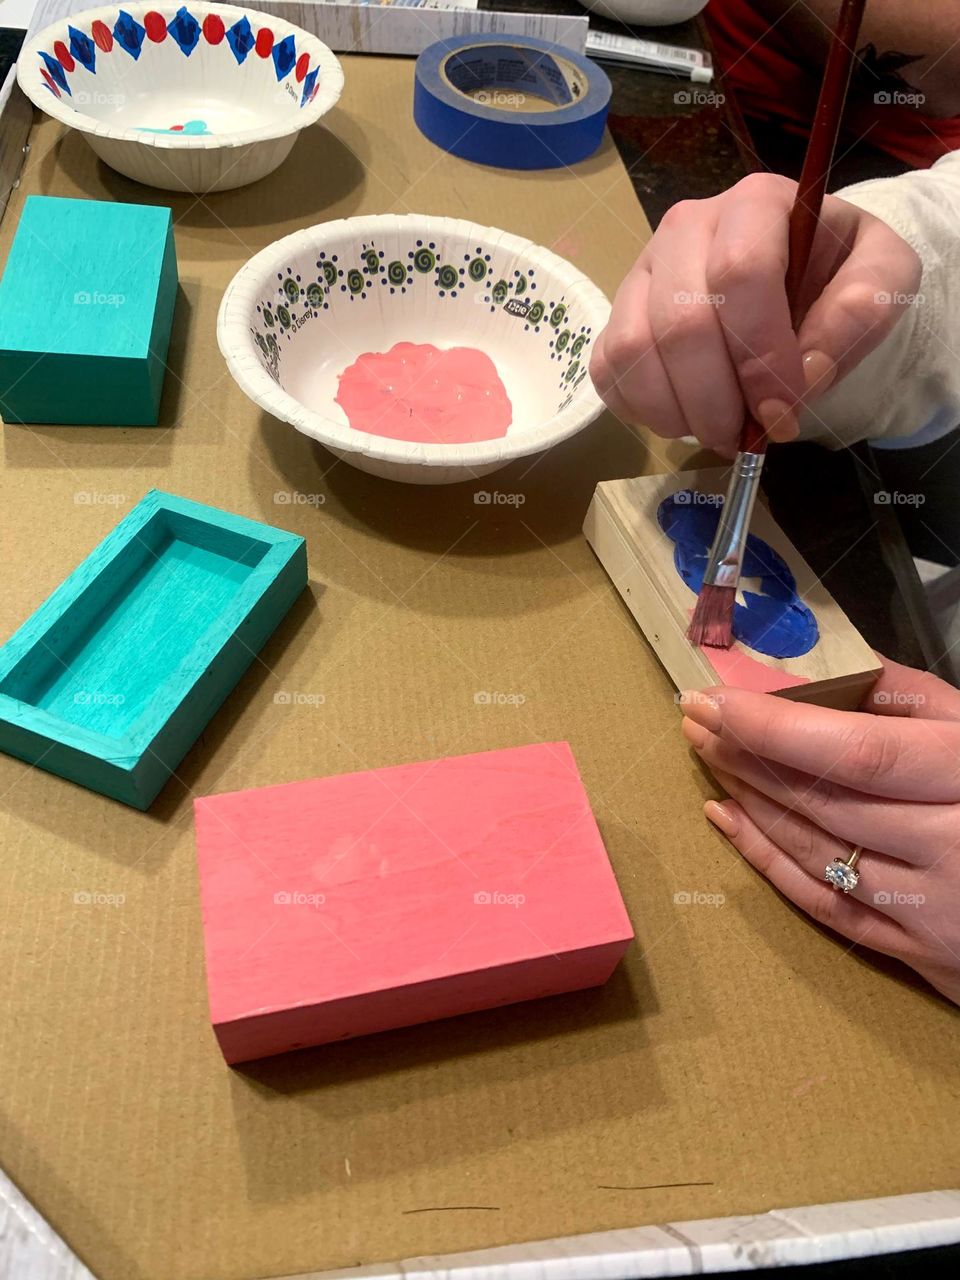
x: 86, y: 308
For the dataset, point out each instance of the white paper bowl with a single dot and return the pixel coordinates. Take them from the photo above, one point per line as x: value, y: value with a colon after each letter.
x: 302, y: 310
x: 646, y: 13
x: 140, y: 79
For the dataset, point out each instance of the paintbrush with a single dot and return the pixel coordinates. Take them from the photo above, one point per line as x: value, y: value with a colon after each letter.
x: 712, y: 621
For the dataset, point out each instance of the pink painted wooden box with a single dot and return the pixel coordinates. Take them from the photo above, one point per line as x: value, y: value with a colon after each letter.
x: 346, y: 905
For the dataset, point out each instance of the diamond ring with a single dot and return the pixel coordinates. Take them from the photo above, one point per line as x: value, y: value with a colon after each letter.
x: 844, y: 875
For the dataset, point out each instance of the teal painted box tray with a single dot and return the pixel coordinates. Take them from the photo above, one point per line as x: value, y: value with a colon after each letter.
x: 86, y: 307
x: 118, y: 671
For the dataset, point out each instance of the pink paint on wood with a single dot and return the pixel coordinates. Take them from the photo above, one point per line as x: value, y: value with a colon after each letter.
x: 417, y: 392
x: 346, y: 905
x: 738, y: 669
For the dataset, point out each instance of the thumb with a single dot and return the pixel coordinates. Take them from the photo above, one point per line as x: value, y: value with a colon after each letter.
x: 860, y: 305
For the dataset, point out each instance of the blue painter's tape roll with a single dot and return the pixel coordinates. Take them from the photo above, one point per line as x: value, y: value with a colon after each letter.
x: 512, y: 101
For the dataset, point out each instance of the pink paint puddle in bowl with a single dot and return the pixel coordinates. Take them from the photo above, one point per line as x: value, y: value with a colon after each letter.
x: 419, y: 393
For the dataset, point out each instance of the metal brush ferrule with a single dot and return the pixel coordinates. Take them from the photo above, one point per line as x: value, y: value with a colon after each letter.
x: 725, y: 562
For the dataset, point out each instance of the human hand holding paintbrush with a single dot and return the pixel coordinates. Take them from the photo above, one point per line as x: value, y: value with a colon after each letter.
x: 700, y: 332
x: 712, y: 619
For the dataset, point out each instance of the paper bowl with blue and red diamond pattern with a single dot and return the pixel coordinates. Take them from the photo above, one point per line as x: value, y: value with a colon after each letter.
x: 197, y: 97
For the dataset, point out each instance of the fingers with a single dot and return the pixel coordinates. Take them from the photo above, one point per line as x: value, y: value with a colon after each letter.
x: 869, y: 292
x: 685, y: 325
x: 837, y: 911
x: 886, y: 884
x: 745, y: 271
x: 626, y: 367
x: 897, y: 827
x: 700, y: 331
x: 897, y: 758
x: 902, y: 691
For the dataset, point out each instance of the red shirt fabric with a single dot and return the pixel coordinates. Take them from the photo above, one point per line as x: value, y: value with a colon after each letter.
x: 761, y: 67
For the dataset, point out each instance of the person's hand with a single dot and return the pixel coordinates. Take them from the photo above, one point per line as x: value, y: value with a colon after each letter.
x: 700, y: 329
x: 807, y: 785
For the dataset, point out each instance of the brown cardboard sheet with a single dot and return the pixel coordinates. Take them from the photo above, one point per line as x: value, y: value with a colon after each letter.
x: 740, y: 1059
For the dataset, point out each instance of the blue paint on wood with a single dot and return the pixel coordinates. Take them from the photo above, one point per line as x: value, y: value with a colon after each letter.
x: 86, y: 308
x: 117, y: 673
x: 774, y: 621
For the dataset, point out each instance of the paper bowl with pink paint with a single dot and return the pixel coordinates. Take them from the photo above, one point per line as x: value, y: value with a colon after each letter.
x: 188, y: 97
x: 425, y: 350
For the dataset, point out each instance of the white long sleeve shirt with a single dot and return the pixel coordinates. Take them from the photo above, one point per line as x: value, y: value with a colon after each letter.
x: 910, y: 385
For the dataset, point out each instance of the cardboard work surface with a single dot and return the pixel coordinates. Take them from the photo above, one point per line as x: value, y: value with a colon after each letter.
x: 740, y: 1058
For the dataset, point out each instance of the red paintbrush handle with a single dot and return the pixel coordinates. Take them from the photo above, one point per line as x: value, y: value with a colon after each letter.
x: 805, y: 214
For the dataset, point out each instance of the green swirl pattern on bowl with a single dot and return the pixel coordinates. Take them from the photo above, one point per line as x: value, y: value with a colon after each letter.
x: 477, y: 275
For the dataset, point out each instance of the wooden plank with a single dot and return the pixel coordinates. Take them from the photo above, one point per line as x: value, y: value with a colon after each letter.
x: 621, y: 526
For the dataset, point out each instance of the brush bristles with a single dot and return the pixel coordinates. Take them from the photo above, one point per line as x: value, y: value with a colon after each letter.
x: 712, y: 621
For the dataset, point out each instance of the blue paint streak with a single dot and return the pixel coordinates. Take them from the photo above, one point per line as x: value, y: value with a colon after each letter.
x: 240, y: 38
x: 777, y: 622
x: 56, y: 71
x: 309, y: 82
x: 185, y: 30
x: 83, y: 49
x: 284, y: 56
x: 129, y: 34
x: 192, y: 129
